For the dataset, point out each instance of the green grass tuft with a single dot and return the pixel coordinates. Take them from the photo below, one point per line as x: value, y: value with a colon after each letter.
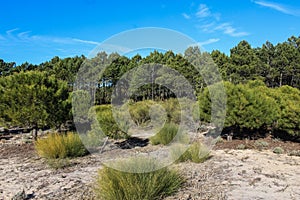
x: 113, y: 184
x: 60, y: 146
x: 196, y: 153
x: 166, y: 135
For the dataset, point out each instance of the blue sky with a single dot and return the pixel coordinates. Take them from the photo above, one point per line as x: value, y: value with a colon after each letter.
x: 35, y: 31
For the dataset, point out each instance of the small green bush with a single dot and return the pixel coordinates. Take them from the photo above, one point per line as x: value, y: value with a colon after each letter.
x: 139, y: 112
x: 196, y: 153
x: 278, y: 150
x: 113, y: 184
x: 241, y: 147
x: 294, y: 153
x: 261, y: 144
x: 60, y: 146
x: 218, y: 140
x: 173, y: 110
x: 108, y: 124
x: 166, y: 134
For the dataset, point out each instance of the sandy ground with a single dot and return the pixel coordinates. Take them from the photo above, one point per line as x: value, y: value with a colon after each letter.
x: 229, y: 174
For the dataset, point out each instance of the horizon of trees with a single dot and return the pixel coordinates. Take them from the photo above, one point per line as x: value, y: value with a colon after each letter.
x: 40, y: 95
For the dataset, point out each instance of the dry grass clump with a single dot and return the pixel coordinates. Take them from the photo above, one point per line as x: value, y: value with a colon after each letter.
x: 60, y: 146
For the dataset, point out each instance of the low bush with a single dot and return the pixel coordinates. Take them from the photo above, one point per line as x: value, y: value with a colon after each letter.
x: 278, y: 150
x: 113, y: 184
x: 294, y: 153
x: 261, y: 144
x: 173, y: 110
x: 241, y: 147
x: 93, y: 139
x: 218, y: 140
x: 108, y: 124
x: 166, y: 134
x: 60, y: 146
x: 139, y: 112
x: 196, y: 153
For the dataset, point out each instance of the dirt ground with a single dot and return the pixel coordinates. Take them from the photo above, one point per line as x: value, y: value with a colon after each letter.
x: 252, y: 173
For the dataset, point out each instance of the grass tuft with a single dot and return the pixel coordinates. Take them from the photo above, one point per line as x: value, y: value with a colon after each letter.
x: 60, y: 146
x: 113, y: 184
x: 167, y: 134
x: 196, y: 153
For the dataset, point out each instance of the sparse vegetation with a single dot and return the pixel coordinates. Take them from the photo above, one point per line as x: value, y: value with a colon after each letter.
x: 219, y: 139
x: 166, y: 134
x: 196, y: 153
x: 58, y: 163
x: 294, y: 153
x: 139, y: 112
x: 241, y: 147
x: 108, y: 123
x: 278, y: 150
x: 260, y: 144
x: 113, y: 184
x: 60, y: 146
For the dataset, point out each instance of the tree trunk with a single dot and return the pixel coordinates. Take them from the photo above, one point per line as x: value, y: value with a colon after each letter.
x: 280, y: 81
x: 35, y: 132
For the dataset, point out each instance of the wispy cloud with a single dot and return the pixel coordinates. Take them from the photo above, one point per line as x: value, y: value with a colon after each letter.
x: 209, y: 41
x: 229, y: 30
x: 203, y: 11
x: 86, y: 41
x: 186, y: 16
x: 279, y: 7
x: 14, y: 37
x: 9, y: 32
x: 208, y: 21
x: 43, y: 45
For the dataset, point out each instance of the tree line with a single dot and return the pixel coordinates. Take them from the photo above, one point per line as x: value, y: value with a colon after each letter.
x: 40, y: 95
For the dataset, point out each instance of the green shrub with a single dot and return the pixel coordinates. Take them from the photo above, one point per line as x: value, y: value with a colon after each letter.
x: 139, y: 112
x: 289, y: 115
x: 196, y: 153
x: 166, y: 134
x: 241, y: 147
x: 108, y: 124
x: 60, y: 146
x: 113, y: 184
x: 92, y: 139
x: 278, y: 150
x: 173, y: 110
x: 218, y: 140
x: 294, y: 153
x: 261, y: 144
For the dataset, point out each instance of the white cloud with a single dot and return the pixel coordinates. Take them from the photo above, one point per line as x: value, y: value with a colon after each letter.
x: 209, y: 22
x: 207, y: 27
x: 209, y: 41
x: 229, y: 30
x: 278, y: 7
x: 9, y: 32
x: 13, y: 37
x: 186, y: 16
x: 86, y: 41
x: 203, y: 11
x: 44, y: 45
